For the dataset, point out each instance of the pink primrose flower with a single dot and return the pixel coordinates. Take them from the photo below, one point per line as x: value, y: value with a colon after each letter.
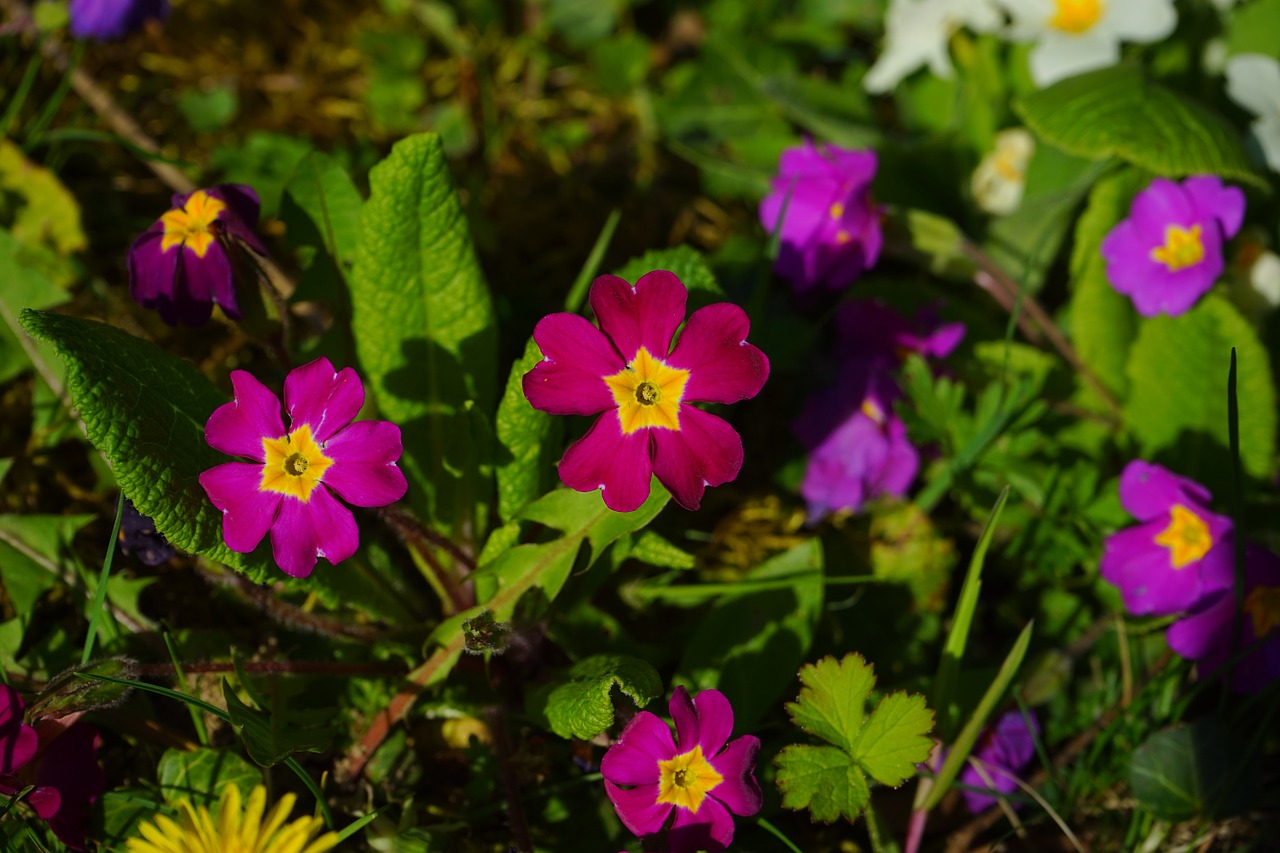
x: 829, y: 229
x: 700, y: 775
x: 1179, y: 553
x: 289, y: 486
x: 628, y: 370
x: 106, y: 20
x: 1168, y: 253
x: 1004, y: 751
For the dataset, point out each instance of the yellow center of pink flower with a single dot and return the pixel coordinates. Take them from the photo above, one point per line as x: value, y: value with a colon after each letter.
x: 294, y: 464
x: 872, y: 409
x: 1187, y: 537
x: 686, y: 780
x: 1263, y: 604
x: 648, y: 393
x: 1182, y: 248
x: 1076, y: 16
x: 193, y: 225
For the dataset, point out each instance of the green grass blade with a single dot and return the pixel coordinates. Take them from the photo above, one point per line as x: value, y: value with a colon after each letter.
x: 577, y: 293
x: 163, y: 691
x: 100, y: 596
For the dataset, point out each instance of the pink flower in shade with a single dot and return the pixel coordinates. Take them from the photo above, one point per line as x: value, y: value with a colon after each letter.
x: 628, y: 370
x: 289, y: 487
x: 1205, y: 633
x: 1178, y: 553
x: 699, y: 776
x: 1003, y: 752
x: 1168, y: 253
x: 820, y: 205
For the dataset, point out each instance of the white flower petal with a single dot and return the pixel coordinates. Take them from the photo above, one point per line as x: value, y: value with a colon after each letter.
x: 1140, y: 20
x: 1059, y: 56
x: 1267, y: 131
x: 1253, y: 82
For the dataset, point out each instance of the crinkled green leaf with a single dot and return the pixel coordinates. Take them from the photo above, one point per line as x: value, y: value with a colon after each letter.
x: 199, y: 775
x: 832, y: 702
x: 651, y: 548
x: 823, y: 779
x: 530, y: 440
x: 894, y: 741
x: 1116, y: 112
x: 271, y: 737
x: 582, y: 706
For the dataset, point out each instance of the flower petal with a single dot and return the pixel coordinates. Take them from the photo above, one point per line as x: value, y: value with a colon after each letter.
x: 619, y: 465
x: 711, y: 829
x: 207, y: 280
x: 1216, y: 201
x: 646, y: 315
x: 240, y: 219
x: 238, y: 428
x: 70, y: 767
x: 685, y: 715
x: 1146, y: 577
x: 364, y: 470
x: 715, y: 720
x: 723, y: 367
x: 325, y: 398
x: 18, y: 741
x: 638, y: 807
x: 319, y: 527
x: 705, y: 451
x: 576, y: 358
x: 633, y: 759
x: 247, y: 513
x: 739, y: 791
x: 1147, y: 491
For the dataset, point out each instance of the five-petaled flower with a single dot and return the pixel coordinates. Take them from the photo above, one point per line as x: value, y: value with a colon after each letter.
x: 821, y: 207
x: 1168, y: 253
x: 701, y: 776
x: 286, y: 489
x: 106, y: 20
x: 628, y: 370
x: 190, y: 258
x: 1003, y: 752
x: 1178, y: 554
x: 918, y: 32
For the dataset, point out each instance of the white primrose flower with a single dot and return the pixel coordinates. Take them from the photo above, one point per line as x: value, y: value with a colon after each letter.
x: 1001, y: 177
x: 1253, y: 82
x: 917, y: 33
x: 1073, y: 36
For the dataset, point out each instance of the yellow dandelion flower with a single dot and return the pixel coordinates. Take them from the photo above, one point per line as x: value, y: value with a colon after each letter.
x: 239, y: 828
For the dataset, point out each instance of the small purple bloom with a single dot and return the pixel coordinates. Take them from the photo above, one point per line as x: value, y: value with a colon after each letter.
x: 139, y: 538
x: 1204, y: 634
x: 286, y: 489
x: 190, y: 258
x: 1004, y: 751
x: 821, y: 204
x: 1168, y: 253
x: 701, y: 776
x: 1178, y: 553
x: 106, y: 20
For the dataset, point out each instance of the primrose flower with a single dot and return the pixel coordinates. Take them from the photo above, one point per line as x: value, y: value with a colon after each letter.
x: 106, y: 20
x: 1179, y: 553
x: 1168, y: 253
x: 190, y: 258
x: 1205, y: 633
x: 1001, y: 177
x: 628, y: 370
x: 1253, y: 82
x: 239, y: 826
x: 699, y: 776
x: 287, y: 488
x: 917, y: 33
x: 1073, y: 36
x: 1003, y: 752
x: 821, y: 206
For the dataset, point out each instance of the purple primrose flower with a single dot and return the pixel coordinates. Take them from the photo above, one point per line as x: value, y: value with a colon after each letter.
x: 190, y: 258
x: 1178, y: 553
x: 700, y: 776
x: 821, y: 205
x: 1003, y: 752
x: 138, y: 537
x: 1168, y: 253
x: 628, y: 370
x: 1205, y: 633
x: 106, y: 20
x: 287, y: 488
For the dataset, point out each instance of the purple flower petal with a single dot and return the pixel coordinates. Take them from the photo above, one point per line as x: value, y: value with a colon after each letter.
x: 153, y: 274
x: 238, y: 428
x: 685, y: 715
x: 106, y: 20
x: 70, y: 767
x: 1147, y: 491
x: 633, y: 759
x: 862, y: 459
x: 606, y: 459
x: 18, y: 741
x: 1227, y: 204
x: 705, y: 451
x: 364, y: 470
x: 723, y: 367
x: 247, y: 513
x: 319, y: 527
x: 739, y: 791
x: 644, y: 316
x: 638, y: 807
x: 208, y: 280
x: 325, y: 398
x: 576, y: 358
x: 715, y: 721
x: 240, y: 219
x: 710, y: 829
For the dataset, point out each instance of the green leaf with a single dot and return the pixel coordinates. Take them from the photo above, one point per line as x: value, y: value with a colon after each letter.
x: 323, y: 190
x: 49, y: 215
x: 1202, y: 770
x: 891, y: 743
x: 651, y: 548
x: 422, y: 316
x: 1115, y: 112
x: 686, y: 263
x: 824, y: 780
x: 1178, y: 373
x: 582, y: 706
x: 71, y: 692
x: 530, y: 440
x: 1251, y: 28
x: 271, y: 737
x: 24, y: 287
x: 199, y: 775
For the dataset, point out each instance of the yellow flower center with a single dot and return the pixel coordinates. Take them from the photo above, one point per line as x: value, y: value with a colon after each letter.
x: 837, y: 210
x: 648, y: 393
x: 294, y: 464
x: 1187, y: 537
x: 872, y: 409
x: 1076, y: 16
x: 1182, y: 248
x: 193, y: 225
x: 686, y: 780
x: 1263, y: 604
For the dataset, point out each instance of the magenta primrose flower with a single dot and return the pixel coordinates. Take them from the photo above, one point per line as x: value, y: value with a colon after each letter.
x: 1204, y: 635
x: 700, y: 775
x: 105, y: 20
x: 1003, y: 753
x: 1168, y: 253
x: 190, y: 258
x: 628, y: 370
x: 1179, y: 553
x: 821, y: 206
x: 289, y: 486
